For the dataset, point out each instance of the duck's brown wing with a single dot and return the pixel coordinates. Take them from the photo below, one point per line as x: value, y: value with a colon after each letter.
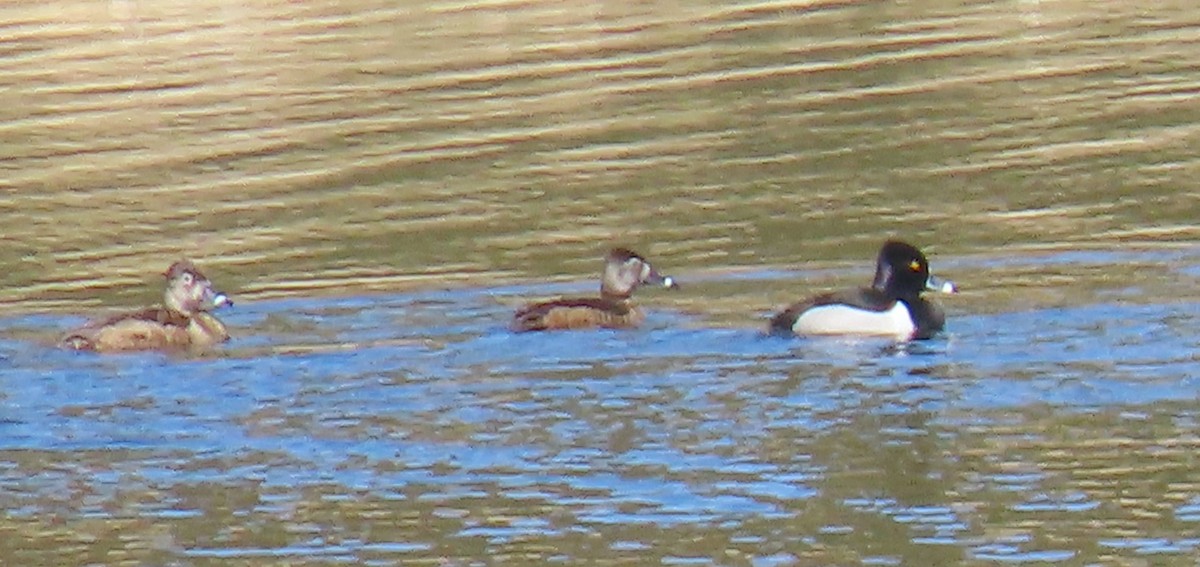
x: 576, y: 313
x: 153, y: 328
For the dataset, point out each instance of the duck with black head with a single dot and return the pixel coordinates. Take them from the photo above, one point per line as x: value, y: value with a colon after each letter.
x: 892, y: 306
x: 182, y: 322
x: 624, y: 271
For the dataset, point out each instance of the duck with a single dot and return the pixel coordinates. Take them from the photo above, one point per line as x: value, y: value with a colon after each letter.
x: 182, y: 322
x: 892, y: 306
x: 624, y: 272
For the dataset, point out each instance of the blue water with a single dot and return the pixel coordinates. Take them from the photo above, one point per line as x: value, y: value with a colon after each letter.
x: 988, y: 443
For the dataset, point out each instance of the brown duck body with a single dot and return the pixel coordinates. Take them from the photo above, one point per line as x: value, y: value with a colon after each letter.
x: 624, y: 271
x: 156, y: 328
x: 183, y: 322
x: 578, y: 313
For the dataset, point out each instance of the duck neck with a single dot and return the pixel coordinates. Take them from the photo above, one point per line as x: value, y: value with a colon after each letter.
x: 611, y: 295
x: 883, y: 273
x: 172, y: 303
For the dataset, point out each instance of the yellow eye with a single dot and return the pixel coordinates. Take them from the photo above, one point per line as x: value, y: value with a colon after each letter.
x: 915, y: 265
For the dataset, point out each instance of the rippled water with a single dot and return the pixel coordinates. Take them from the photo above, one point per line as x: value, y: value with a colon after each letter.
x: 316, y: 147
x: 379, y: 184
x: 413, y: 427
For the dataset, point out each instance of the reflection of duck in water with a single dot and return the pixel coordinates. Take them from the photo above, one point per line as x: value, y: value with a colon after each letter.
x: 892, y: 306
x: 624, y: 271
x: 182, y: 322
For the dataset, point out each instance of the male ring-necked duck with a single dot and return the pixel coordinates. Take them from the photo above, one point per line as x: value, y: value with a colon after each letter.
x: 182, y: 322
x: 624, y: 271
x: 892, y: 306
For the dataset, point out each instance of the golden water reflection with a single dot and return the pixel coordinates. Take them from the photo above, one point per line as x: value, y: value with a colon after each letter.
x: 300, y: 147
x: 322, y: 148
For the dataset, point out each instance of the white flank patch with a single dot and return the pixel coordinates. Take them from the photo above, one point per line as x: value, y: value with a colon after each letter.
x: 846, y: 320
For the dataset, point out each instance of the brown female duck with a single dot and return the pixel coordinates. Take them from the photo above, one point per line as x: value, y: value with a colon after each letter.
x: 624, y: 271
x: 183, y: 321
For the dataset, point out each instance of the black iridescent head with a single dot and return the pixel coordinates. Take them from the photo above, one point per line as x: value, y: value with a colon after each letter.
x: 902, y: 271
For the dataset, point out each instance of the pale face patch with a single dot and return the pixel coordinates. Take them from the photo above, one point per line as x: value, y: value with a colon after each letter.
x: 645, y: 271
x: 846, y: 320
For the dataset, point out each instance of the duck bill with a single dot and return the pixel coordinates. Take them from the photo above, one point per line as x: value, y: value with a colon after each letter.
x: 939, y: 285
x: 217, y: 299
x: 655, y: 278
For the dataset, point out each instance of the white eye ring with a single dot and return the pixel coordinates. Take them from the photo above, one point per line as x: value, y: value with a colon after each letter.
x: 188, y: 278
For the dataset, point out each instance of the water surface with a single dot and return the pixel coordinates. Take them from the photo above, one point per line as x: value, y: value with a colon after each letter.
x: 379, y: 185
